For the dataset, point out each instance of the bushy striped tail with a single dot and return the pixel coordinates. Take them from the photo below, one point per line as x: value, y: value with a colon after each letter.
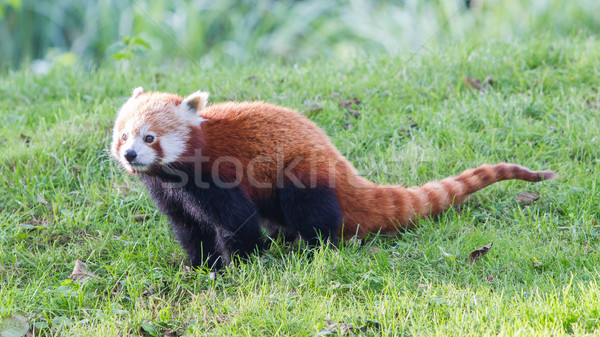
x: 435, y: 197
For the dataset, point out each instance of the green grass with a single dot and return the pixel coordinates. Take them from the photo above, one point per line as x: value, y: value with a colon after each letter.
x: 417, y: 122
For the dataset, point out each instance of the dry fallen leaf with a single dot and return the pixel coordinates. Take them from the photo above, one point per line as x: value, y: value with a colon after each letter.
x: 479, y: 252
x: 140, y: 217
x: 595, y: 104
x: 348, y: 103
x: 149, y: 292
x: 34, y: 224
x: 117, y: 288
x: 26, y: 139
x: 473, y: 83
x: 14, y: 325
x: 490, y: 278
x: 311, y: 108
x: 334, y: 328
x: 476, y: 84
x: 341, y: 328
x: 488, y: 80
x: 355, y: 113
x: 170, y: 333
x: 526, y: 197
x: 81, y: 273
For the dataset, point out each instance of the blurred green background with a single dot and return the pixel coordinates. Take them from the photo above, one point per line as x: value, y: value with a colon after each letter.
x: 40, y: 33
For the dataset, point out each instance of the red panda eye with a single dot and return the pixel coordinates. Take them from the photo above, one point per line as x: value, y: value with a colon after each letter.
x: 124, y: 137
x: 149, y: 139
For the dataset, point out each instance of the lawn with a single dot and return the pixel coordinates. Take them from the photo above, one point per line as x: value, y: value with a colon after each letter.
x: 63, y: 199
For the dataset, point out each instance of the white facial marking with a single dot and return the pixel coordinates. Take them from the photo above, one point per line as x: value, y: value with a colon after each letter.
x: 173, y: 146
x: 145, y: 130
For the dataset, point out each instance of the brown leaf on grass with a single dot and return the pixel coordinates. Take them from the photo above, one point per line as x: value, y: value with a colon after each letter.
x: 478, y: 85
x: 341, y: 328
x: 594, y: 104
x: 158, y: 77
x: 349, y: 103
x: 355, y: 113
x: 222, y: 318
x: 479, y: 252
x: 25, y: 139
x: 118, y: 288
x: 34, y: 224
x: 149, y: 291
x: 81, y: 273
x: 334, y: 328
x: 140, y: 217
x: 490, y: 278
x: 311, y: 109
x: 473, y: 83
x: 526, y: 197
x: 170, y: 333
x: 489, y: 81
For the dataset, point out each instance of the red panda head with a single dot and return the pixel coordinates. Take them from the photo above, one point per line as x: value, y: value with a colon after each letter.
x: 153, y: 128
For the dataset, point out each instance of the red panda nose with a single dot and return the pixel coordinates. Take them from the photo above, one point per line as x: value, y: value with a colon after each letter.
x: 130, y: 155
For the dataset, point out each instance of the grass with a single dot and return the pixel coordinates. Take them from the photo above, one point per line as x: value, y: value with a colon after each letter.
x: 89, y: 31
x: 63, y: 199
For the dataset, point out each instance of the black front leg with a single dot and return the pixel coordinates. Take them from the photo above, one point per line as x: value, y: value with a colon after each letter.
x: 196, y: 236
x: 235, y: 219
x: 199, y: 242
x: 212, y: 222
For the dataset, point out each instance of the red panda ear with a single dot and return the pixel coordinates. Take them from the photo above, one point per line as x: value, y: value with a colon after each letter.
x: 196, y: 101
x: 190, y: 107
x: 137, y: 91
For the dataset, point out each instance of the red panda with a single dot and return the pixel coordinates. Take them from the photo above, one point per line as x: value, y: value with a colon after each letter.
x: 222, y: 172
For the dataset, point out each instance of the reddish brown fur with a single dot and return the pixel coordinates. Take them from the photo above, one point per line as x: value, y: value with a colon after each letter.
x: 252, y: 130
